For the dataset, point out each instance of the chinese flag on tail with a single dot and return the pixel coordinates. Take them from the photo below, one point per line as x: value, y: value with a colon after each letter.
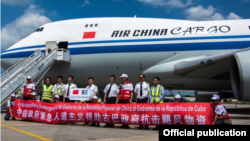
x: 75, y: 92
x: 87, y: 35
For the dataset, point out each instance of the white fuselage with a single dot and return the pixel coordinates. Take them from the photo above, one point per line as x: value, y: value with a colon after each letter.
x: 132, y: 46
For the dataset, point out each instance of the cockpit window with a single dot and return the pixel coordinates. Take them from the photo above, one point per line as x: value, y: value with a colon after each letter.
x: 39, y: 29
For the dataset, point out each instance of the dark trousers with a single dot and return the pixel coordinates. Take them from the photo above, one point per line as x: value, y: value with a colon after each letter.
x: 123, y: 101
x: 26, y: 98
x: 61, y: 98
x: 144, y: 100
x: 7, y: 117
x: 67, y: 100
x: 220, y: 122
x: 46, y: 100
x: 110, y: 100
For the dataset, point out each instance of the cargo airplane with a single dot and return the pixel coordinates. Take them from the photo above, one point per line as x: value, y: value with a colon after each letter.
x: 186, y: 55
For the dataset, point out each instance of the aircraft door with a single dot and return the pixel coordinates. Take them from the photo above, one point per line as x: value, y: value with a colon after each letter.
x: 50, y: 46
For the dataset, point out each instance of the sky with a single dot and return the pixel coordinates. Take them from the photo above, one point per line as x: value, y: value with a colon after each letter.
x: 19, y: 18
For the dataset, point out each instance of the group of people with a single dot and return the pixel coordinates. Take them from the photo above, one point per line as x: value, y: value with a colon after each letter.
x: 113, y: 94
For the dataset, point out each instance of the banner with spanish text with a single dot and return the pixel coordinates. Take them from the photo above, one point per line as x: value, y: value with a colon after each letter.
x: 138, y: 114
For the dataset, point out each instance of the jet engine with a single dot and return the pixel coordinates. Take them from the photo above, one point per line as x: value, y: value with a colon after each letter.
x: 240, y: 75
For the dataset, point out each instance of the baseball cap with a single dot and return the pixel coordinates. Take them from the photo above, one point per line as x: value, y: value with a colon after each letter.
x: 124, y: 75
x: 56, y: 96
x: 95, y: 97
x: 33, y: 93
x: 28, y: 77
x: 13, y: 95
x: 215, y: 96
x: 177, y: 96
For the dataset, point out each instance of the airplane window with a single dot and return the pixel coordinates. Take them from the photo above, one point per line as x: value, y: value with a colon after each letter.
x: 41, y: 29
x: 37, y: 30
x: 96, y: 25
x: 86, y: 25
x: 91, y: 25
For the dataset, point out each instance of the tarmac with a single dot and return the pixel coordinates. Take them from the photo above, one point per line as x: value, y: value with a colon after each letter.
x: 34, y: 131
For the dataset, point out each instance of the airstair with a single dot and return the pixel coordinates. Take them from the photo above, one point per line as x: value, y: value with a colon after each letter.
x: 36, y: 65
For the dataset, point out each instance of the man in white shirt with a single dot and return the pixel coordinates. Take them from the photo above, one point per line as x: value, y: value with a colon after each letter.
x: 111, y: 94
x: 142, y: 91
x: 58, y: 88
x: 67, y: 89
x: 93, y: 89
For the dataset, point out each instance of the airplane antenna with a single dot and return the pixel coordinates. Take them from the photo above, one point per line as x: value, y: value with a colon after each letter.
x: 135, y: 16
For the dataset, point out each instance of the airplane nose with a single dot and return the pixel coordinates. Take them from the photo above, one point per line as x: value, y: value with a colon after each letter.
x: 8, y: 62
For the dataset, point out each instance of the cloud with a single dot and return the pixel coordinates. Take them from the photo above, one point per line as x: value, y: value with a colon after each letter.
x: 86, y: 2
x: 199, y: 13
x: 23, y: 26
x: 17, y: 2
x: 170, y: 3
x: 233, y: 16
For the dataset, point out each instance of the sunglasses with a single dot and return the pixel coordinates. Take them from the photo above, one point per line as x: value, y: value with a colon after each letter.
x: 140, y: 77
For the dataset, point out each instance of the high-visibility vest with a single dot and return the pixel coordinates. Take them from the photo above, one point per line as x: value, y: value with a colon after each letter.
x: 59, y: 90
x: 47, y: 93
x: 158, y: 93
x: 124, y: 94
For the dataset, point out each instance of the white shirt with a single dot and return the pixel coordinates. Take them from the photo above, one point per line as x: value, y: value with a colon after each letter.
x: 92, y: 90
x: 113, y: 91
x: 65, y: 90
x: 10, y: 103
x: 145, y: 89
x: 30, y: 85
x: 221, y: 111
x: 54, y: 88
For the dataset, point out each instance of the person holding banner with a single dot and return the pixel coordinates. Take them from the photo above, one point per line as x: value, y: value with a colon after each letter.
x: 221, y: 116
x: 157, y: 94
x: 95, y: 101
x: 56, y: 99
x: 111, y: 94
x: 58, y: 88
x: 29, y: 87
x: 33, y: 96
x: 126, y: 93
x: 67, y: 89
x: 47, y: 94
x: 177, y: 98
x: 142, y: 90
x: 10, y: 105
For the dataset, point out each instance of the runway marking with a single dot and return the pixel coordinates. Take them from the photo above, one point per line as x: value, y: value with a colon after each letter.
x: 27, y: 133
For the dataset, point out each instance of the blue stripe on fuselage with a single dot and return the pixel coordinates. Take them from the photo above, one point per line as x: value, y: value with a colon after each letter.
x: 146, y: 48
x: 141, y: 40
